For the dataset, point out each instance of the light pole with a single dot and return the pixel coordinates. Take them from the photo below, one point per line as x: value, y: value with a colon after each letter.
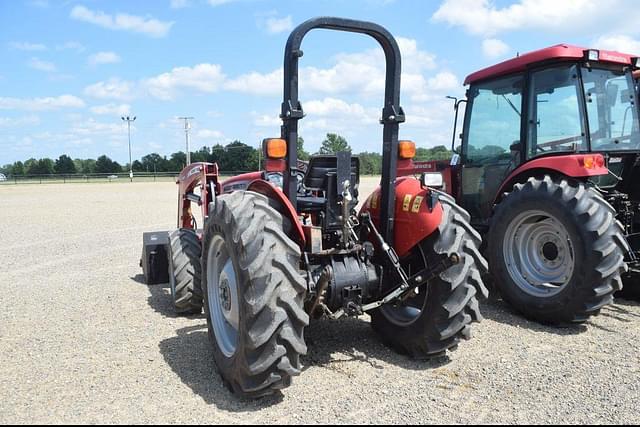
x: 187, y: 128
x: 129, y: 120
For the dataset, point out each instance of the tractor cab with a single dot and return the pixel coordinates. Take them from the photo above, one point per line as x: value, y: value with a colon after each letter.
x: 558, y: 101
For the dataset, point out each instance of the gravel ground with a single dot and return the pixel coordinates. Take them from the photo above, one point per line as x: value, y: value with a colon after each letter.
x: 82, y: 340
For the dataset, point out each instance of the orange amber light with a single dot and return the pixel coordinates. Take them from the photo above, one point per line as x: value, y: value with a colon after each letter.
x: 275, y: 148
x: 406, y: 149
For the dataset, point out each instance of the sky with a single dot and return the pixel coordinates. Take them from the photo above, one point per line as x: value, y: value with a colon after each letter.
x: 71, y: 69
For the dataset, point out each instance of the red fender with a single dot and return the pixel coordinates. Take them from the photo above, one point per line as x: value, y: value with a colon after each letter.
x: 574, y: 166
x: 414, y: 221
x: 284, y: 207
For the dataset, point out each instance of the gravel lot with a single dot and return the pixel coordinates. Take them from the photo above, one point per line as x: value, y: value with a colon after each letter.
x: 82, y: 340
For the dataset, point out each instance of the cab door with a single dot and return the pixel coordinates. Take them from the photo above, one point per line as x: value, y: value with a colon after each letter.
x: 491, y: 142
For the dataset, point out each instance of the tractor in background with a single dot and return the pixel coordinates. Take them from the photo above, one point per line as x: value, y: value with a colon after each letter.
x: 284, y: 245
x: 548, y: 168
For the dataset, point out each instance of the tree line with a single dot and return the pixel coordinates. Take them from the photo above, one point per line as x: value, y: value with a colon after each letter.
x: 233, y: 157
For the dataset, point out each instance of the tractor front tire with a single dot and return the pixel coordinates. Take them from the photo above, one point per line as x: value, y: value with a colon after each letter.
x: 185, y: 271
x: 556, y: 250
x: 436, y: 319
x: 254, y: 295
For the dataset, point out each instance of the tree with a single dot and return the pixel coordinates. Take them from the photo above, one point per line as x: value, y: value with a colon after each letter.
x: 65, y: 165
x: 105, y: 165
x: 236, y: 157
x: 333, y: 144
x: 177, y: 161
x: 370, y: 163
x: 302, y: 155
x: 202, y: 155
x: 439, y: 152
x: 85, y: 166
x: 40, y: 167
x: 154, y: 162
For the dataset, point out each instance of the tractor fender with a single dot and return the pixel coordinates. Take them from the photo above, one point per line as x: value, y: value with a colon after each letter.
x: 414, y: 220
x: 573, y: 166
x: 282, y: 205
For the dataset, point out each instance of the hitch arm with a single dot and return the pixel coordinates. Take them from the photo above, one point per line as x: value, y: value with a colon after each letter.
x: 406, y: 283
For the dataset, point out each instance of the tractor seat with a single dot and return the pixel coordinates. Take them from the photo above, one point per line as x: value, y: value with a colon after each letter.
x: 316, y: 180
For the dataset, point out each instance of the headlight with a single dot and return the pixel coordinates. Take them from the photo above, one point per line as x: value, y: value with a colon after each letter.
x: 432, y: 180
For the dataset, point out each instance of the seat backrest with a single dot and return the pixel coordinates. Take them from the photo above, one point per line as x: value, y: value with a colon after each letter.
x: 322, y: 165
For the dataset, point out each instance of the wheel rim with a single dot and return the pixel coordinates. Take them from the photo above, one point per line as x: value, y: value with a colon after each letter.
x: 407, y: 313
x: 539, y: 254
x: 222, y: 296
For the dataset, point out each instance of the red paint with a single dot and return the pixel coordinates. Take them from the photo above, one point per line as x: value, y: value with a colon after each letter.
x: 561, y: 52
x: 285, y: 208
x: 572, y: 166
x: 239, y: 180
x: 413, y: 168
x: 278, y: 165
x: 192, y: 176
x: 410, y: 227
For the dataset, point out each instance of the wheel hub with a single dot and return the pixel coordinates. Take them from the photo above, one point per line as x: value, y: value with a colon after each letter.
x: 539, y: 253
x: 225, y: 295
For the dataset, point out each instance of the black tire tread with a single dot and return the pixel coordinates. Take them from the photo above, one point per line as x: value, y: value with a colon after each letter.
x: 274, y: 292
x: 455, y: 291
x: 185, y: 252
x: 604, y: 251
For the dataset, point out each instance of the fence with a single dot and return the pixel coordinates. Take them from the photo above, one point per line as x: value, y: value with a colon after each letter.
x: 98, y: 178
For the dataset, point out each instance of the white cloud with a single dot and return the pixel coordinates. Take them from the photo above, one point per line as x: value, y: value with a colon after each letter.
x: 220, y: 2
x: 256, y: 83
x: 483, y: 17
x: 41, y: 104
x: 26, y: 46
x: 111, y: 89
x: 104, y: 58
x: 112, y: 109
x: 361, y: 73
x: 122, y: 22
x: 278, y: 25
x: 620, y: 43
x: 179, y: 4
x: 40, y: 65
x: 494, y: 48
x: 71, y: 45
x: 207, y: 78
x: 209, y: 134
x: 10, y: 122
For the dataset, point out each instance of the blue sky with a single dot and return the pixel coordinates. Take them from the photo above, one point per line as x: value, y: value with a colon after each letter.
x: 70, y: 69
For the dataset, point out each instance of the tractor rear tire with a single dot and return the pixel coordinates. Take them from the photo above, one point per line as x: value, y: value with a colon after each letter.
x: 450, y: 303
x: 254, y: 295
x: 556, y: 251
x: 185, y: 271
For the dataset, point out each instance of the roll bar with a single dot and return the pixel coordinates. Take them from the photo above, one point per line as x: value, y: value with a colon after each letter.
x: 392, y: 113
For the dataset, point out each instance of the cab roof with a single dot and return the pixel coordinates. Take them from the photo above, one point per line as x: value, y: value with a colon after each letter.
x: 560, y: 52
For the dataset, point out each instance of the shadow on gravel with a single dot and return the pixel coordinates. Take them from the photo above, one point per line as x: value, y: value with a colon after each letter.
x: 160, y: 299
x: 332, y: 343
x: 189, y: 356
x: 501, y: 312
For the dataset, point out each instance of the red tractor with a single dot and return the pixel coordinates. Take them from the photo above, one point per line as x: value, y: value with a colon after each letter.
x: 285, y: 245
x: 548, y: 169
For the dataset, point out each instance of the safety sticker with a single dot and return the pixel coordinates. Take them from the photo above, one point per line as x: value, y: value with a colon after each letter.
x: 407, y: 202
x: 374, y: 201
x: 416, y: 204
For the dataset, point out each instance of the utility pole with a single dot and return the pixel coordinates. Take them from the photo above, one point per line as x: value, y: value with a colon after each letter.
x: 129, y: 120
x: 187, y: 128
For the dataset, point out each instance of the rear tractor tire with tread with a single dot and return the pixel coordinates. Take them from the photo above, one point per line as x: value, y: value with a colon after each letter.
x: 556, y: 251
x: 185, y: 271
x: 253, y: 294
x: 440, y: 316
